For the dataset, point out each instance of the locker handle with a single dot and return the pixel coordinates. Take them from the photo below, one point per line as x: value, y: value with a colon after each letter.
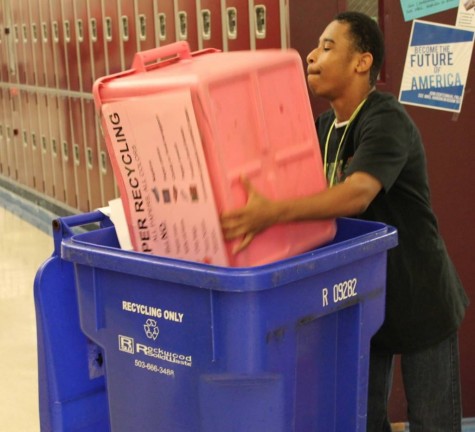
x: 141, y: 59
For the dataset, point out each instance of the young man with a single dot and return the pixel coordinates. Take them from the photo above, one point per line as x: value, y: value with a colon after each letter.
x: 376, y: 169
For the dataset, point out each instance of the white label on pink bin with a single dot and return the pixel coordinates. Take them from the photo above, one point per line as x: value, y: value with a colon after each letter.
x: 164, y: 183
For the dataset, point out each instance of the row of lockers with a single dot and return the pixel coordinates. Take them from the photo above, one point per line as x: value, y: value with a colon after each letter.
x: 52, y: 144
x: 69, y: 43
x: 51, y: 52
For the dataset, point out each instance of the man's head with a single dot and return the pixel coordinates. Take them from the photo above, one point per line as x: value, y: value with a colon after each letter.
x: 350, y: 49
x: 367, y: 37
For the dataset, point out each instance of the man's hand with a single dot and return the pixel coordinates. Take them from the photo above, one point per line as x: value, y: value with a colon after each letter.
x: 258, y: 214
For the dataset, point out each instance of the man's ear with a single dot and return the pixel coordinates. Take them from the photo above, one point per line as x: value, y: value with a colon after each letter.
x: 365, y: 62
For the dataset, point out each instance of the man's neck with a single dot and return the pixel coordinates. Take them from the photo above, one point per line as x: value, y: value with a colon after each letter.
x: 345, y: 107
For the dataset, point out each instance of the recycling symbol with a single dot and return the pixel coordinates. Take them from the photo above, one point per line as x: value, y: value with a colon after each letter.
x: 151, y: 329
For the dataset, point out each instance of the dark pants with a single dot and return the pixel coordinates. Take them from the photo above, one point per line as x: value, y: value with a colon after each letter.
x: 432, y: 386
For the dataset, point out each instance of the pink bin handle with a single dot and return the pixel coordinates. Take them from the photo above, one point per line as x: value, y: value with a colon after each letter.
x: 181, y: 49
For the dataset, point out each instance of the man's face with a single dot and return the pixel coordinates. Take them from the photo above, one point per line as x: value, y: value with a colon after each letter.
x: 332, y: 64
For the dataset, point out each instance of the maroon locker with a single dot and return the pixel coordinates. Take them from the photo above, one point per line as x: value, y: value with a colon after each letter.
x: 3, y: 63
x: 55, y: 148
x: 9, y: 115
x: 20, y: 172
x: 29, y: 46
x: 145, y: 25
x: 128, y: 36
x: 43, y: 143
x: 111, y: 36
x: 20, y: 29
x: 31, y: 169
x: 186, y: 23
x: 91, y: 154
x: 69, y: 46
x: 269, y: 23
x: 97, y: 43
x: 9, y: 150
x: 3, y: 95
x: 81, y: 30
x: 21, y: 143
x: 108, y: 184
x: 31, y: 112
x: 3, y: 134
x: 66, y: 147
x: 58, y: 44
x: 165, y: 32
x: 210, y: 28
x: 236, y: 34
x: 46, y: 42
x: 6, y: 45
x: 37, y: 43
x: 78, y: 154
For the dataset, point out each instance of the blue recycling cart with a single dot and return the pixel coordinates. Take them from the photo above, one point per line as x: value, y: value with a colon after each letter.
x: 133, y: 342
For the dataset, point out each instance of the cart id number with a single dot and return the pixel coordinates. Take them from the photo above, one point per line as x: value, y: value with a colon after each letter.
x: 341, y: 291
x: 154, y: 368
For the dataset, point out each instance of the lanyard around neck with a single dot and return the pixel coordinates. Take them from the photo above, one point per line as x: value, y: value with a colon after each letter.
x: 355, y: 113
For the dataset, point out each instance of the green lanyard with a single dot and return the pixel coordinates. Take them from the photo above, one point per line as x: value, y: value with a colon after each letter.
x: 355, y: 113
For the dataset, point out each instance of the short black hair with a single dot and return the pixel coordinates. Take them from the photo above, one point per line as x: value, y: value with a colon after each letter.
x: 367, y: 37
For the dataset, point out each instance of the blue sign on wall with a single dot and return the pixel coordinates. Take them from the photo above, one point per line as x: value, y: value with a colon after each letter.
x: 413, y: 9
x: 437, y: 64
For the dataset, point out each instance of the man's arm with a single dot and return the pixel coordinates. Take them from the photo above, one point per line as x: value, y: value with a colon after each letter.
x: 350, y: 198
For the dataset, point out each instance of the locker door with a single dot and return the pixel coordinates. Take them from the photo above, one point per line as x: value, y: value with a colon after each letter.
x: 165, y: 32
x: 46, y: 41
x: 78, y: 153
x: 37, y: 43
x: 9, y: 61
x: 58, y: 44
x: 55, y: 148
x: 69, y: 46
x: 108, y: 184
x: 144, y: 24
x: 97, y: 43
x: 269, y: 23
x: 44, y: 143
x: 66, y: 147
x: 12, y: 170
x: 32, y: 167
x: 186, y: 23
x: 126, y: 23
x: 81, y: 29
x: 91, y: 153
x: 210, y: 28
x: 113, y: 53
x: 20, y: 41
x: 27, y: 39
x: 236, y: 34
x: 19, y: 155
x: 3, y: 62
x: 35, y: 141
x: 3, y: 135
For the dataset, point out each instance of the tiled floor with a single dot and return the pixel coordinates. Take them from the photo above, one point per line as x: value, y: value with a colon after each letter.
x: 23, y: 248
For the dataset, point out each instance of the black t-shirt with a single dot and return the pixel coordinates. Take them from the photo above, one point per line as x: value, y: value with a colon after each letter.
x: 425, y: 300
